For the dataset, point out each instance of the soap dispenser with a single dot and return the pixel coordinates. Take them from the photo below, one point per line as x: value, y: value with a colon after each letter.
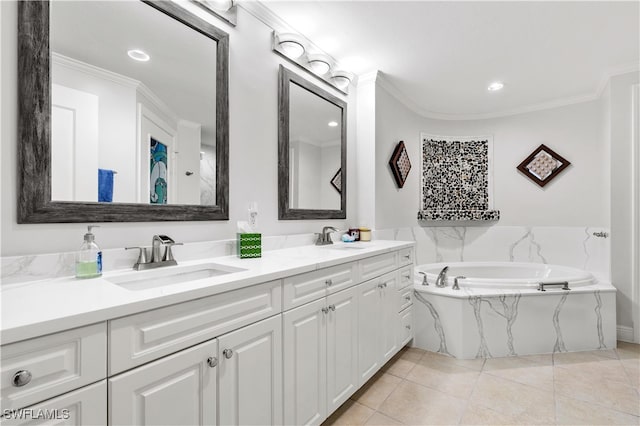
x: 89, y: 258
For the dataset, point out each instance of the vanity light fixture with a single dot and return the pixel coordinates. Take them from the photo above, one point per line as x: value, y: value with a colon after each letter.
x: 332, y: 124
x: 296, y: 48
x: 319, y: 64
x: 138, y: 55
x: 291, y: 45
x: 495, y: 86
x: 342, y: 79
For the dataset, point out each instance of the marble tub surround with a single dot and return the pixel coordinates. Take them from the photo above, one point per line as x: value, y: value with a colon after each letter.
x: 35, y: 308
x: 569, y: 246
x: 485, y: 323
x: 19, y: 269
x: 418, y: 387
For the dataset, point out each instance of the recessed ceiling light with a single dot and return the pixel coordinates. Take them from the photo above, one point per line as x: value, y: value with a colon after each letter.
x: 495, y: 86
x: 333, y: 124
x: 138, y: 55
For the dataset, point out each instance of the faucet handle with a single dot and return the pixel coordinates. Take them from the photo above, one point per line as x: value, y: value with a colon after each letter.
x: 424, y: 278
x: 168, y: 254
x: 142, y: 255
x: 455, y: 282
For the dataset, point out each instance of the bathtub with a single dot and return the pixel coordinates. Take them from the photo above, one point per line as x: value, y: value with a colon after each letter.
x: 500, y: 310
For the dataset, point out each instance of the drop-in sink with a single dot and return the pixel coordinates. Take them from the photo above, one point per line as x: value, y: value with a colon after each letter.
x: 144, y: 280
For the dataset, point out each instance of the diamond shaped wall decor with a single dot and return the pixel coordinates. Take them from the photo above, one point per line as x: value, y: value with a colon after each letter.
x: 400, y: 164
x: 543, y: 165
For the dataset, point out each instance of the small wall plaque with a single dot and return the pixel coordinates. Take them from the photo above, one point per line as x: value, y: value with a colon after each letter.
x: 336, y: 181
x: 400, y: 164
x: 543, y: 165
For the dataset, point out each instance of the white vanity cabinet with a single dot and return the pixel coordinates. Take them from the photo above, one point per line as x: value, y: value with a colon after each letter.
x: 320, y: 357
x: 250, y: 376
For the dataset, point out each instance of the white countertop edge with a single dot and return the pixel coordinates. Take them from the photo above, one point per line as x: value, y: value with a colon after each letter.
x: 26, y: 309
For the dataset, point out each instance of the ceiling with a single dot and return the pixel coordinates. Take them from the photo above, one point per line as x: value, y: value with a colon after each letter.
x: 439, y: 57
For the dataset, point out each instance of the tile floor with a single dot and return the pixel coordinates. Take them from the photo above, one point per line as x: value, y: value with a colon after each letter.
x: 424, y: 388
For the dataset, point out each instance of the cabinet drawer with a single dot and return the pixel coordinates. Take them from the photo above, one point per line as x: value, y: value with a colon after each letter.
x: 405, y: 278
x: 405, y: 334
x: 56, y: 363
x: 307, y: 287
x: 85, y: 406
x: 405, y: 257
x: 378, y: 265
x: 406, y: 299
x: 140, y: 338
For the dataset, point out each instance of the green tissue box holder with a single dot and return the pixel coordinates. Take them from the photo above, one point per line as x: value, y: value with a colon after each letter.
x: 249, y: 245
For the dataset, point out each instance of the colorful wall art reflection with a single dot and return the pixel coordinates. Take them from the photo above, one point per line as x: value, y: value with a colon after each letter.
x: 158, y: 172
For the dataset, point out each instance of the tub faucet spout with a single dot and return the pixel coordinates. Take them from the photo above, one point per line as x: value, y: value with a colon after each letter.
x: 441, y: 281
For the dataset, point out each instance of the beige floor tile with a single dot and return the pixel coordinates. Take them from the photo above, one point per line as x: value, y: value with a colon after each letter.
x: 382, y: 420
x: 411, y: 354
x: 535, y: 371
x: 473, y: 364
x: 570, y: 411
x: 632, y: 368
x: 478, y: 415
x: 403, y: 362
x: 414, y: 404
x: 604, y: 369
x: 581, y: 385
x: 628, y: 350
x: 376, y: 390
x: 350, y: 413
x: 564, y: 358
x: 445, y: 376
x: 528, y: 404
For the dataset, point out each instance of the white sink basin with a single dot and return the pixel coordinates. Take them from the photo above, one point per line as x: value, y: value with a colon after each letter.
x: 144, y: 280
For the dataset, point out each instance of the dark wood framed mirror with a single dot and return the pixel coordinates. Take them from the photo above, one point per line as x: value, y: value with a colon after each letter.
x: 51, y: 177
x: 312, y: 150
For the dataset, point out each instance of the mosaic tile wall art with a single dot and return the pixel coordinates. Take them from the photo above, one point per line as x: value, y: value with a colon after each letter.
x: 455, y: 179
x: 542, y: 165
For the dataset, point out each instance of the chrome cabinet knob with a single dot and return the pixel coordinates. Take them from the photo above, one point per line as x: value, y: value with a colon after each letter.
x: 408, y: 277
x: 21, y: 378
x: 329, y: 282
x: 332, y: 307
x: 407, y: 256
x: 325, y: 310
x: 407, y: 298
x: 228, y: 353
x: 382, y: 285
x: 408, y: 327
x: 212, y: 361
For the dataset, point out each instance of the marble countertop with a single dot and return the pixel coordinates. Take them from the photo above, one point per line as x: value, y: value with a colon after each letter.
x: 36, y: 308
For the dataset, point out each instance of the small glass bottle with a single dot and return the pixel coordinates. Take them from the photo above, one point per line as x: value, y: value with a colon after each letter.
x: 89, y: 257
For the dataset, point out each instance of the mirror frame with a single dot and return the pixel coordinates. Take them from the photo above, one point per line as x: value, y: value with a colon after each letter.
x: 285, y: 212
x: 34, y: 130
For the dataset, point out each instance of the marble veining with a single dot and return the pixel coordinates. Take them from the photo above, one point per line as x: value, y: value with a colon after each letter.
x: 598, y: 310
x: 533, y: 245
x: 509, y: 313
x: 436, y: 323
x: 559, y: 346
x: 483, y: 349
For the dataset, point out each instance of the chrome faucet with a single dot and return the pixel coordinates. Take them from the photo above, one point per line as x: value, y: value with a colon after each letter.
x: 455, y: 282
x: 441, y: 281
x: 424, y: 278
x: 161, y: 254
x: 324, y: 238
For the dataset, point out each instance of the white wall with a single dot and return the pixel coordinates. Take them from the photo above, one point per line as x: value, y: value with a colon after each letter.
x: 577, y: 197
x: 253, y: 154
x: 621, y: 194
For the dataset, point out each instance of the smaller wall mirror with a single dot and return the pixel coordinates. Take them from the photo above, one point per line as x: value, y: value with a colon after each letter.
x: 312, y: 142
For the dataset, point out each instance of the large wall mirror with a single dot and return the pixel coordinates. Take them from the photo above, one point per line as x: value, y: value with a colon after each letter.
x: 312, y: 155
x: 123, y: 113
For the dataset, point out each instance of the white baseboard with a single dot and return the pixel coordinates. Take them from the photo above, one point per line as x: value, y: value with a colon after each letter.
x: 625, y: 334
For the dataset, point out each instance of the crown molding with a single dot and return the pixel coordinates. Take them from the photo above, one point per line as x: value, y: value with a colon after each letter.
x: 384, y: 82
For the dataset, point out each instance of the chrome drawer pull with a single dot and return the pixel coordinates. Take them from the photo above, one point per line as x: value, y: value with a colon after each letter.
x: 329, y: 282
x: 228, y: 353
x: 407, y: 276
x: 212, y: 361
x: 332, y: 307
x: 408, y: 327
x: 325, y: 310
x: 407, y: 256
x: 407, y: 298
x: 21, y: 378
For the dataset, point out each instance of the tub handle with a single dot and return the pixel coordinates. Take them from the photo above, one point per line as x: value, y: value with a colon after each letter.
x: 424, y: 278
x: 564, y: 284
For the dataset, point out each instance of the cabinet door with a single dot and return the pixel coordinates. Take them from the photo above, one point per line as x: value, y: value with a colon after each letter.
x: 250, y: 383
x: 342, y: 347
x: 390, y: 319
x: 305, y: 361
x: 369, y: 324
x: 85, y: 406
x: 176, y: 390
